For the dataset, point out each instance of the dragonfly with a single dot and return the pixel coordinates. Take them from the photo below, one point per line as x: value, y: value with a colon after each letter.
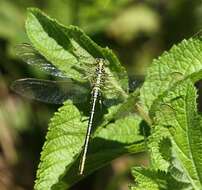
x: 57, y: 92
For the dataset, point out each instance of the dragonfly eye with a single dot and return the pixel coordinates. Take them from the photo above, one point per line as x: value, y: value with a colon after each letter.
x: 98, y: 60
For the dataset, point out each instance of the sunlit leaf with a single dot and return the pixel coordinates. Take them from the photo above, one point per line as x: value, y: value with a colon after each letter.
x: 58, y: 168
x: 182, y: 60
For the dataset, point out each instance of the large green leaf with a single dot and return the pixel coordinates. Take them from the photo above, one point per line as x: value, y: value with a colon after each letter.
x: 58, y: 168
x: 178, y: 63
x: 69, y: 48
x: 170, y: 98
x: 63, y: 142
x: 119, y: 138
x: 175, y: 117
x: 177, y: 110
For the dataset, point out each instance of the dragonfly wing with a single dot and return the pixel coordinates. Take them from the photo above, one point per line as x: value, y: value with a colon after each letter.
x: 31, y: 56
x: 55, y: 92
x: 134, y: 83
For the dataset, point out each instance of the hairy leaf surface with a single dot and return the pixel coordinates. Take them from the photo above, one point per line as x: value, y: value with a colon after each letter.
x: 156, y: 180
x: 181, y: 61
x: 58, y: 168
x: 176, y: 110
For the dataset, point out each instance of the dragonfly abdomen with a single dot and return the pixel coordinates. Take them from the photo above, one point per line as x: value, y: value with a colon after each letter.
x: 95, y: 93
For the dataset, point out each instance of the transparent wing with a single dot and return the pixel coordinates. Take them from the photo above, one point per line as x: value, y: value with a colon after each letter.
x: 55, y: 92
x: 134, y: 83
x: 31, y: 56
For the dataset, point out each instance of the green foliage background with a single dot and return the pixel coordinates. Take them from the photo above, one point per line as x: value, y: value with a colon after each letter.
x: 137, y: 31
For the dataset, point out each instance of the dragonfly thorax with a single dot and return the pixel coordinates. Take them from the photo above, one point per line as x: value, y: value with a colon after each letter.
x: 99, y: 75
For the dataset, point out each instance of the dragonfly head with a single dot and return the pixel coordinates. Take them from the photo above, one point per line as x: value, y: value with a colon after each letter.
x: 101, y: 61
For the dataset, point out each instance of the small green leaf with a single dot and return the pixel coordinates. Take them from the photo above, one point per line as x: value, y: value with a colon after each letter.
x: 156, y: 142
x: 148, y: 179
x: 144, y: 181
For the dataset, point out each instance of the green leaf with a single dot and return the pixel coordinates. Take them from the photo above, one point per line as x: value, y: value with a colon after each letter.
x: 170, y: 97
x: 182, y: 61
x: 63, y: 143
x: 58, y: 168
x: 122, y: 110
x: 148, y: 179
x: 176, y: 109
x: 68, y: 48
x: 71, y: 50
x: 119, y: 138
x: 158, y: 141
x: 144, y: 180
